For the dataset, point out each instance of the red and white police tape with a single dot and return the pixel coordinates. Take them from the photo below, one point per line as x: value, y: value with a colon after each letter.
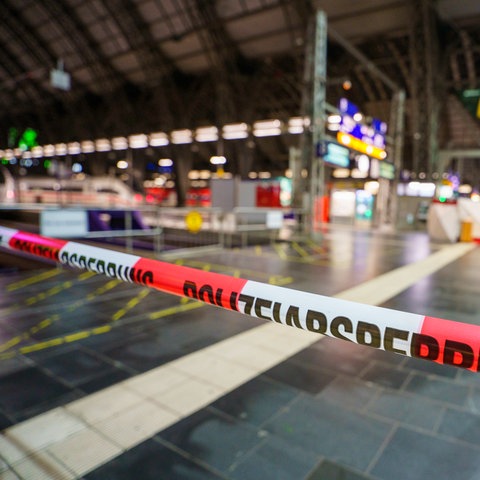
x: 442, y: 341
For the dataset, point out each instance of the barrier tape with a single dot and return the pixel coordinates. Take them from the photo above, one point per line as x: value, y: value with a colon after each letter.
x: 443, y: 341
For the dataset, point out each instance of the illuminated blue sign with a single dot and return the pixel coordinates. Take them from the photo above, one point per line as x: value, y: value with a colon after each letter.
x: 372, y: 134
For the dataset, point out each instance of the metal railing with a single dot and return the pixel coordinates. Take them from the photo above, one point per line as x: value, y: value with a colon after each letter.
x: 165, y: 231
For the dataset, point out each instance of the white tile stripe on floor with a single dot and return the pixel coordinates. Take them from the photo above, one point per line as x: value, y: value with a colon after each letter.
x: 70, y: 441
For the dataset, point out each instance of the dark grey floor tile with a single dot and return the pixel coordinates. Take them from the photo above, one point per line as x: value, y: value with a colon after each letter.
x: 256, y: 401
x: 461, y: 425
x: 330, y: 430
x: 151, y: 461
x: 301, y: 377
x: 331, y: 471
x: 274, y: 459
x: 467, y: 377
x: 385, y: 375
x: 28, y: 387
x: 77, y: 366
x: 438, y: 389
x: 4, y: 422
x: 349, y: 392
x: 411, y: 455
x: 212, y: 439
x: 383, y: 357
x: 332, y: 361
x: 431, y: 368
x: 333, y: 346
x: 12, y: 365
x: 145, y: 353
x: 45, y: 406
x: 70, y: 322
x: 105, y: 380
x: 473, y: 400
x: 407, y: 409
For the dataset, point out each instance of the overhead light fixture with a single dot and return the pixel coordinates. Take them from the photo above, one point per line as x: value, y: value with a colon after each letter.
x: 165, y: 162
x: 87, y: 146
x: 60, y: 149
x: 119, y: 143
x: 48, y: 150
x: 206, y: 134
x: 122, y: 164
x: 102, y: 145
x: 234, y: 131
x: 335, y: 118
x: 37, y: 152
x: 138, y: 141
x: 267, y: 128
x: 296, y: 125
x: 158, y: 139
x: 179, y: 137
x: 218, y: 160
x: 73, y: 148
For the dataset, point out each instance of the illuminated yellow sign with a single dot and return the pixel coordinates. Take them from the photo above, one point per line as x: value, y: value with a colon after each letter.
x: 193, y: 222
x: 360, y: 146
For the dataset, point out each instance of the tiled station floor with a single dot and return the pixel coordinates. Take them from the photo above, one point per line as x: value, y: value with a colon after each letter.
x: 105, y: 380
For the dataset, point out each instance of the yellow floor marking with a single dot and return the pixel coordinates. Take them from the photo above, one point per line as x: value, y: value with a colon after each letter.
x: 53, y: 291
x: 279, y: 280
x: 225, y: 268
x: 54, y: 342
x: 130, y: 304
x: 185, y: 305
x: 317, y: 248
x: 301, y: 251
x: 176, y: 309
x: 281, y: 253
x: 56, y: 317
x: 35, y: 279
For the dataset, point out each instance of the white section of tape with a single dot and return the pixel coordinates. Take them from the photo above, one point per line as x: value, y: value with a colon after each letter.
x: 5, y: 235
x: 99, y: 260
x: 284, y: 303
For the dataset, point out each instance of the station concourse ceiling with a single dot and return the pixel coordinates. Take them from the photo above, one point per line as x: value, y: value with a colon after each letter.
x: 159, y: 65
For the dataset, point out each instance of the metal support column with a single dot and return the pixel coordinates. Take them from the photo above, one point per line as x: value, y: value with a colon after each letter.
x: 426, y: 82
x: 317, y: 166
x: 397, y: 127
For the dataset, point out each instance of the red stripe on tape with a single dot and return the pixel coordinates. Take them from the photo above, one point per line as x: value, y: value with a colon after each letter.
x: 36, y: 244
x: 209, y: 287
x: 449, y: 343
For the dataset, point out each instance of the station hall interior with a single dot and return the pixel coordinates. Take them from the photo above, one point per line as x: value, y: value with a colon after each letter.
x: 238, y: 239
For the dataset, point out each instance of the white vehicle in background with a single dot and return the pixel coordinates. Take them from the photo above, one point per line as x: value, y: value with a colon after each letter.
x: 99, y: 191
